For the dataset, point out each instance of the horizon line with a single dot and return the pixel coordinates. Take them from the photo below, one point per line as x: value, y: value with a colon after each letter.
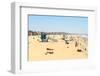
x: 57, y: 32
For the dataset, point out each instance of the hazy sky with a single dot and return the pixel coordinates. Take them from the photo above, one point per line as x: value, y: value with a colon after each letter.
x: 67, y: 24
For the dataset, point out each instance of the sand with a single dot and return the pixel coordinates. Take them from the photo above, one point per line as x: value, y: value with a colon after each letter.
x: 56, y: 50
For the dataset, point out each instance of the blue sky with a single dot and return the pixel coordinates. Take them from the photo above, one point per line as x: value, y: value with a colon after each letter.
x: 69, y: 24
